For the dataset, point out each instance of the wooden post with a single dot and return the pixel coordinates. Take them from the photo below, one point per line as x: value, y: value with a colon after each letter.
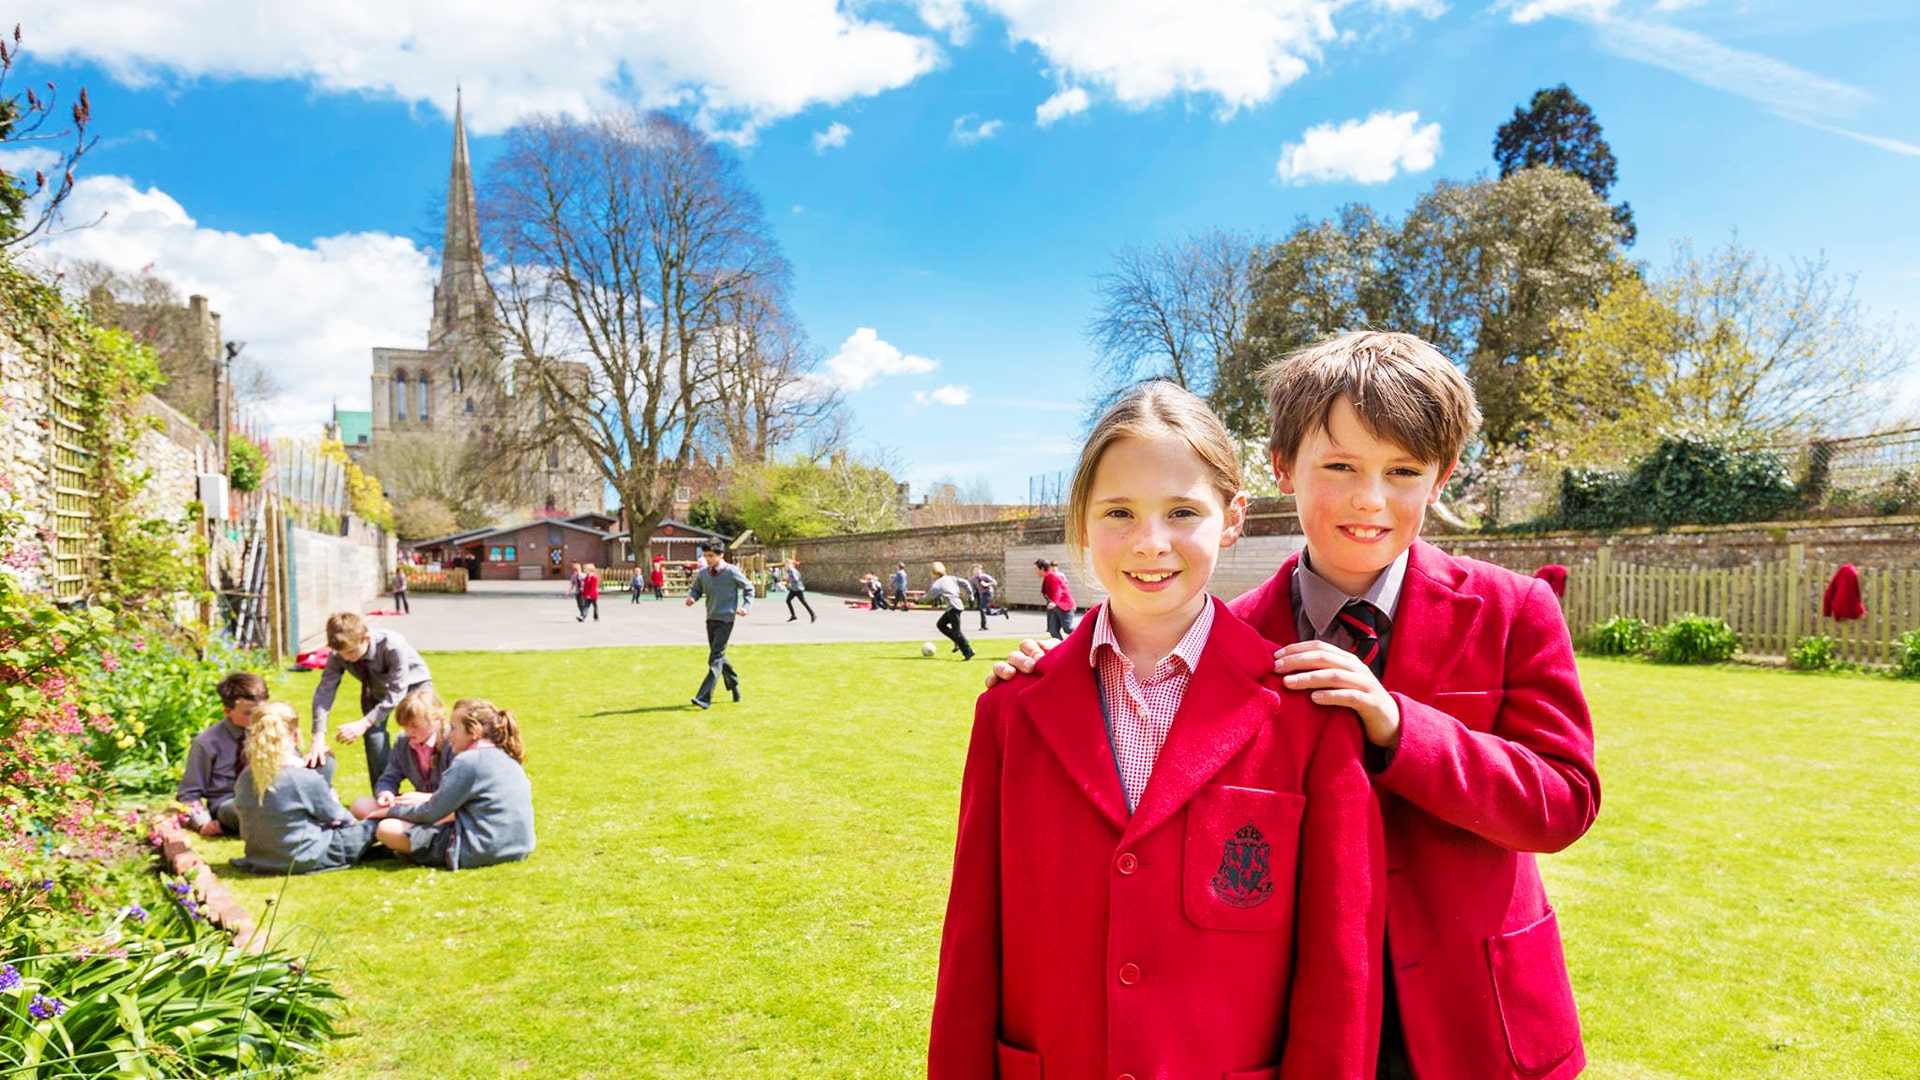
x: 275, y: 584
x: 1796, y: 567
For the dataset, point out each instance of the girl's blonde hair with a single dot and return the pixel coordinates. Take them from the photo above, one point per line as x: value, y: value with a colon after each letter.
x: 481, y: 720
x: 274, y: 731
x: 939, y: 569
x: 421, y: 707
x: 1155, y: 410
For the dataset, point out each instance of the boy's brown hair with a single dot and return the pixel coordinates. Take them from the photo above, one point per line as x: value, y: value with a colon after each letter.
x: 241, y: 685
x: 345, y: 630
x: 1405, y: 391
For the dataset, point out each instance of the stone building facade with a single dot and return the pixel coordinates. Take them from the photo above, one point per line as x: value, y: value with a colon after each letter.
x: 450, y: 387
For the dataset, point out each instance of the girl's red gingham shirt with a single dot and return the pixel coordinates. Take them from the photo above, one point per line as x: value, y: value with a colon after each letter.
x: 1139, y: 714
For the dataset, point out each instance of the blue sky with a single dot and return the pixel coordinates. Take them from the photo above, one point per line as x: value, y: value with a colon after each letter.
x: 948, y: 176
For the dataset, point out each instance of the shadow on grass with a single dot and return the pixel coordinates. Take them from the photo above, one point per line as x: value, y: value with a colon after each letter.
x: 685, y: 706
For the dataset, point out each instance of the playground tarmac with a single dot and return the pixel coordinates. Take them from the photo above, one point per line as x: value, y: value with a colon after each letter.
x: 517, y: 616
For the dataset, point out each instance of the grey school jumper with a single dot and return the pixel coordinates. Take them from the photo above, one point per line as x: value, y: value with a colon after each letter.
x: 213, y: 761
x: 491, y: 801
x: 300, y: 826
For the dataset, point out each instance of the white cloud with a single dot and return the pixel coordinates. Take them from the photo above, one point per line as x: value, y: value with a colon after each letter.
x: 970, y: 129
x: 1369, y: 151
x: 1139, y: 52
x: 311, y: 314
x: 834, y: 137
x: 1063, y: 104
x: 1532, y: 11
x: 864, y: 357
x: 738, y: 63
x: 1895, y: 145
x: 946, y: 395
x: 22, y: 162
x: 947, y: 17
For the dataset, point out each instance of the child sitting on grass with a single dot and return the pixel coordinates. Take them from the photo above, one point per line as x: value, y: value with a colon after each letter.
x: 482, y: 813
x: 217, y: 755
x: 292, y: 821
x: 420, y: 759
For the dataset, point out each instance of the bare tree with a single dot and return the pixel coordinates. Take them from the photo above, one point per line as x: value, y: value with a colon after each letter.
x: 1172, y: 312
x: 23, y: 124
x: 765, y: 394
x: 625, y: 243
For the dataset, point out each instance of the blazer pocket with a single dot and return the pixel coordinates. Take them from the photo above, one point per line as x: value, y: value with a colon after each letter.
x: 1017, y: 1064
x: 1535, y: 997
x: 1242, y: 849
x: 1477, y: 709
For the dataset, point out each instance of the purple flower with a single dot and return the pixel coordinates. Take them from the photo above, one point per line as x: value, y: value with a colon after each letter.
x: 9, y: 978
x: 46, y: 1008
x: 180, y: 887
x: 193, y: 909
x: 134, y: 912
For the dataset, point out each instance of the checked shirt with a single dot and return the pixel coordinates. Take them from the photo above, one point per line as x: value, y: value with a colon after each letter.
x: 1139, y: 714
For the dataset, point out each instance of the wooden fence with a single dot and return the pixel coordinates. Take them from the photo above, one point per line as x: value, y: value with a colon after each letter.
x: 1770, y: 605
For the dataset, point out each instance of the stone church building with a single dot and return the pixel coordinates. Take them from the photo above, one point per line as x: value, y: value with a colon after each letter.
x: 446, y: 387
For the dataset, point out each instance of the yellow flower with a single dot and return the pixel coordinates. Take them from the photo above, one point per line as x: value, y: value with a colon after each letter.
x: 124, y: 742
x: 139, y: 727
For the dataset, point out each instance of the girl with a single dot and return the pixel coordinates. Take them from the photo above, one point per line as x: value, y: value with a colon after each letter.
x: 1166, y: 864
x: 659, y: 577
x: 292, y: 821
x: 1053, y: 586
x: 949, y: 594
x: 482, y: 813
x: 420, y: 759
x: 589, y: 592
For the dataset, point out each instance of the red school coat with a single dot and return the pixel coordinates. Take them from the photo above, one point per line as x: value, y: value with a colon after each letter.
x: 1229, y: 928
x: 1495, y: 762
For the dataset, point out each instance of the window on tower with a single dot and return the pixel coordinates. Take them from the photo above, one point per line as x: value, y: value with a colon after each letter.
x: 426, y: 396
x: 399, y: 395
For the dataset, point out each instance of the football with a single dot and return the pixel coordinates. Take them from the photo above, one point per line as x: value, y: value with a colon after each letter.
x: 926, y: 648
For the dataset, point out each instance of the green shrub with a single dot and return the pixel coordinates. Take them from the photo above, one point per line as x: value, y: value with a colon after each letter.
x: 1621, y: 635
x: 1695, y: 639
x: 246, y: 464
x: 1813, y: 653
x: 1688, y: 478
x: 1906, y: 655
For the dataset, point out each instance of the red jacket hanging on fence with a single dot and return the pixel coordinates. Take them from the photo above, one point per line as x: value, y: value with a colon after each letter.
x: 1555, y: 576
x: 1842, y: 602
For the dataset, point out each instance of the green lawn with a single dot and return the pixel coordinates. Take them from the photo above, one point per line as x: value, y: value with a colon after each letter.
x: 756, y: 891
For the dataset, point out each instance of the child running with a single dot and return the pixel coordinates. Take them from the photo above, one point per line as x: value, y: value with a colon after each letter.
x: 482, y: 813
x: 292, y: 821
x: 1166, y: 865
x: 420, y: 759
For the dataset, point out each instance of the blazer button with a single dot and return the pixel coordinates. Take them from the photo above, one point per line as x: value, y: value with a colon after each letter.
x: 1127, y: 863
x: 1129, y: 974
x: 1124, y: 1076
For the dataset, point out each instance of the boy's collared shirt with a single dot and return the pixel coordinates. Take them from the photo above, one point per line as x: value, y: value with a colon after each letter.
x: 214, y: 762
x: 1139, y: 714
x: 1317, y: 603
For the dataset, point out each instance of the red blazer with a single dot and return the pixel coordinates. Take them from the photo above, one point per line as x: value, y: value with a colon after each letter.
x: 1495, y: 762
x: 1053, y: 586
x: 1229, y: 928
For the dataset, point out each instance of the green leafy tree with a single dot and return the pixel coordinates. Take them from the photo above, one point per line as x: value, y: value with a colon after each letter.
x: 1558, y: 129
x: 424, y: 518
x: 831, y: 495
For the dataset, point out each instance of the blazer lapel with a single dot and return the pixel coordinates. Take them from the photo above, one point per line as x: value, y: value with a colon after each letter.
x: 1064, y: 706
x: 1223, y: 708
x: 1431, y: 617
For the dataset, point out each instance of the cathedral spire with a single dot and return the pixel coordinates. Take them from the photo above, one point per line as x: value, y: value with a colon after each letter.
x: 463, y: 294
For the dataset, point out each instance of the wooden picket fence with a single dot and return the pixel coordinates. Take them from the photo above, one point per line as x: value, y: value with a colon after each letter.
x: 1771, y: 605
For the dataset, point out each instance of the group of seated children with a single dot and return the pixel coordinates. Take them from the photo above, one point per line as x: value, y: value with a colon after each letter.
x: 471, y: 803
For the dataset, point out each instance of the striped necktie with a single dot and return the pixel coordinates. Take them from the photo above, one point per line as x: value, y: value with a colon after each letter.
x: 1363, y: 623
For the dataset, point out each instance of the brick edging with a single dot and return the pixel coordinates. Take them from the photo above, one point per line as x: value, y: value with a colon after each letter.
x: 216, y: 901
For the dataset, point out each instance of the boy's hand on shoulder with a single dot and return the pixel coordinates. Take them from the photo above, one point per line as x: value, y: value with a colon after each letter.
x: 1020, y: 661
x: 1335, y: 676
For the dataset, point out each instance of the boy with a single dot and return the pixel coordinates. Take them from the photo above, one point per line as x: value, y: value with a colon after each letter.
x: 1462, y: 675
x: 217, y: 756
x: 899, y: 584
x: 388, y: 669
x: 729, y: 594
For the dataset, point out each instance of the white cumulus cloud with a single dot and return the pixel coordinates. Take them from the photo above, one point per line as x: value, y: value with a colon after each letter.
x: 1061, y: 105
x: 310, y: 314
x: 1239, y: 53
x: 1369, y: 151
x: 947, y: 17
x: 738, y: 63
x: 864, y: 358
x: 971, y: 129
x: 834, y: 137
x: 946, y: 395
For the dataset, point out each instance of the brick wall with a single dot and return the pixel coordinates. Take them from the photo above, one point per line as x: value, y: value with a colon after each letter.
x: 1891, y: 543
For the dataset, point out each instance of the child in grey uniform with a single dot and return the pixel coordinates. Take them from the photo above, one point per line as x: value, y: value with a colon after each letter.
x: 482, y: 813
x: 951, y: 595
x: 292, y: 821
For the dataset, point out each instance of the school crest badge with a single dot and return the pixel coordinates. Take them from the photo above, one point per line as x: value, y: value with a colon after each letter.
x: 1244, y: 880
